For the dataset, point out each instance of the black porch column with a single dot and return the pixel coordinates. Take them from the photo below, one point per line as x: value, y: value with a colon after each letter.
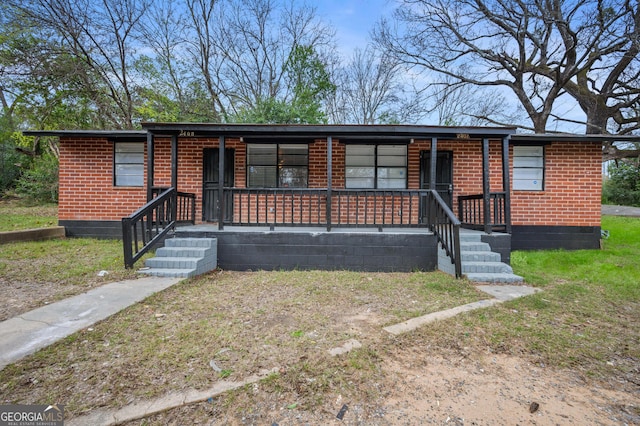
x: 486, y: 186
x: 174, y: 161
x: 506, y: 183
x: 433, y: 160
x: 221, y: 204
x: 150, y: 165
x: 329, y: 179
x: 174, y: 174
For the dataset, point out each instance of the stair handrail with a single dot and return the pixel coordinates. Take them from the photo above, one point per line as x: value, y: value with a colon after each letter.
x: 446, y: 227
x: 148, y: 225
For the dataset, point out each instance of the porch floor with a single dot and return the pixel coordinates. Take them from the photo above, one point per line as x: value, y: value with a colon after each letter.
x: 213, y: 227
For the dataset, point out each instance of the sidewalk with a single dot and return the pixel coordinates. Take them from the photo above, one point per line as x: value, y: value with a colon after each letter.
x: 25, y: 334
x: 621, y: 210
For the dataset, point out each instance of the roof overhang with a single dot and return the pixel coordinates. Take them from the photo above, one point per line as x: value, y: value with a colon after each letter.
x: 343, y: 132
x: 566, y: 137
x: 114, y: 135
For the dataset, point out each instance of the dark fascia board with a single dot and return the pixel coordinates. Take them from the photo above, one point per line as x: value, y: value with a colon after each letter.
x: 129, y: 135
x: 565, y: 137
x: 321, y: 131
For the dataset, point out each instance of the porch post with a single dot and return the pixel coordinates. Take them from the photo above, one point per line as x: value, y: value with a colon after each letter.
x: 506, y: 183
x: 221, y: 204
x: 174, y: 174
x: 329, y: 180
x: 150, y: 165
x: 486, y: 186
x: 174, y: 161
x: 433, y: 159
x: 433, y: 163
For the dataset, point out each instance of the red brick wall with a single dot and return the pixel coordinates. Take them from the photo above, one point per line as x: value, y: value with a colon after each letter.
x: 573, y: 188
x: 571, y: 196
x: 86, y: 183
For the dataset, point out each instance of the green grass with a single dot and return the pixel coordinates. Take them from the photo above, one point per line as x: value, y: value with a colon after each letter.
x: 585, y: 318
x: 16, y: 216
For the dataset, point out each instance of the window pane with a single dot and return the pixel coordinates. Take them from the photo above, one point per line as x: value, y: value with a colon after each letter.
x: 262, y: 155
x: 360, y: 155
x: 391, y: 183
x: 293, y: 177
x: 528, y: 168
x: 392, y: 155
x: 129, y: 175
x: 261, y: 176
x: 360, y: 183
x: 129, y: 164
x: 355, y: 172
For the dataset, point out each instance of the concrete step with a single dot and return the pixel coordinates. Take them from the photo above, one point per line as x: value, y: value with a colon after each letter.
x: 480, y: 256
x: 182, y: 251
x: 168, y: 272
x: 190, y: 242
x: 179, y: 262
x: 470, y: 237
x: 486, y: 267
x: 474, y: 246
x: 183, y: 257
x: 494, y: 277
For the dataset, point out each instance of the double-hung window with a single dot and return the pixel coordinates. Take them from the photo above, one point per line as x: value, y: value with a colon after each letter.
x: 528, y: 168
x: 277, y: 165
x: 376, y: 166
x: 128, y: 164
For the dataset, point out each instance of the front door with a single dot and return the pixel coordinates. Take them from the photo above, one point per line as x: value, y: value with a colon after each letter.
x: 210, y: 191
x: 444, y: 174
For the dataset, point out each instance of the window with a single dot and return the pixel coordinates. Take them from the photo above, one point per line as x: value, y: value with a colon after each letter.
x: 128, y: 164
x: 528, y: 168
x: 277, y: 166
x: 376, y: 166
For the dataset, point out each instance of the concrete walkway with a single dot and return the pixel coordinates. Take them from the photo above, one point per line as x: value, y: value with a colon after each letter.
x: 621, y: 211
x: 25, y: 334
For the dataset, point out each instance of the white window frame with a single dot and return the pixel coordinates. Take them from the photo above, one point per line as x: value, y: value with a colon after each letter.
x: 128, y: 164
x: 528, y: 168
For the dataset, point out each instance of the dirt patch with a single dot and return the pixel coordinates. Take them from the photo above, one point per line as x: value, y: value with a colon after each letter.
x: 414, y: 388
x: 21, y: 297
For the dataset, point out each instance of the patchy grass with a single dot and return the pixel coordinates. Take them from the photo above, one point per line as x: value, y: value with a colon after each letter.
x: 585, y: 319
x: 244, y: 322
x: 17, y: 216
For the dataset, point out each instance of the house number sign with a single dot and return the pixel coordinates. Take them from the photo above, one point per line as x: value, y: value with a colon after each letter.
x: 186, y: 134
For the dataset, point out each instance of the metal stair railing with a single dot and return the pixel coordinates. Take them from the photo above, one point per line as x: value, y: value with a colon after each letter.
x: 446, y: 227
x: 149, y: 224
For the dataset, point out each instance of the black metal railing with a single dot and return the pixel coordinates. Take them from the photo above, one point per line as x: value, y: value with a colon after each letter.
x: 446, y: 227
x: 310, y: 207
x: 185, y: 205
x: 148, y: 225
x: 471, y: 211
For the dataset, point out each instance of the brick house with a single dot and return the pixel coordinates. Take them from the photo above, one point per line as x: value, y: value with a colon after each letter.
x: 379, y: 197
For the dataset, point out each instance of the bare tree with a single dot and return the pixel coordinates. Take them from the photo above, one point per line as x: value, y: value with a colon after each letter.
x: 372, y: 89
x: 243, y: 48
x: 540, y: 50
x: 101, y: 37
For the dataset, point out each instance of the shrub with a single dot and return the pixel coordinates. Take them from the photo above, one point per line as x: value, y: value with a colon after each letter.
x: 623, y: 185
x: 40, y: 182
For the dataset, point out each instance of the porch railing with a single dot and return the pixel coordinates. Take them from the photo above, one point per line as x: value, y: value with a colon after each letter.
x: 446, y: 227
x: 471, y: 211
x: 349, y: 208
x: 309, y: 207
x: 148, y: 225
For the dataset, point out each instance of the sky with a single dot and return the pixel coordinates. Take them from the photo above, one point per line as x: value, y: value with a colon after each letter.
x: 352, y: 20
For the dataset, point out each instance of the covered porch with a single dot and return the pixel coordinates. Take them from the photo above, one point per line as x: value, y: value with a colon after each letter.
x: 426, y: 208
